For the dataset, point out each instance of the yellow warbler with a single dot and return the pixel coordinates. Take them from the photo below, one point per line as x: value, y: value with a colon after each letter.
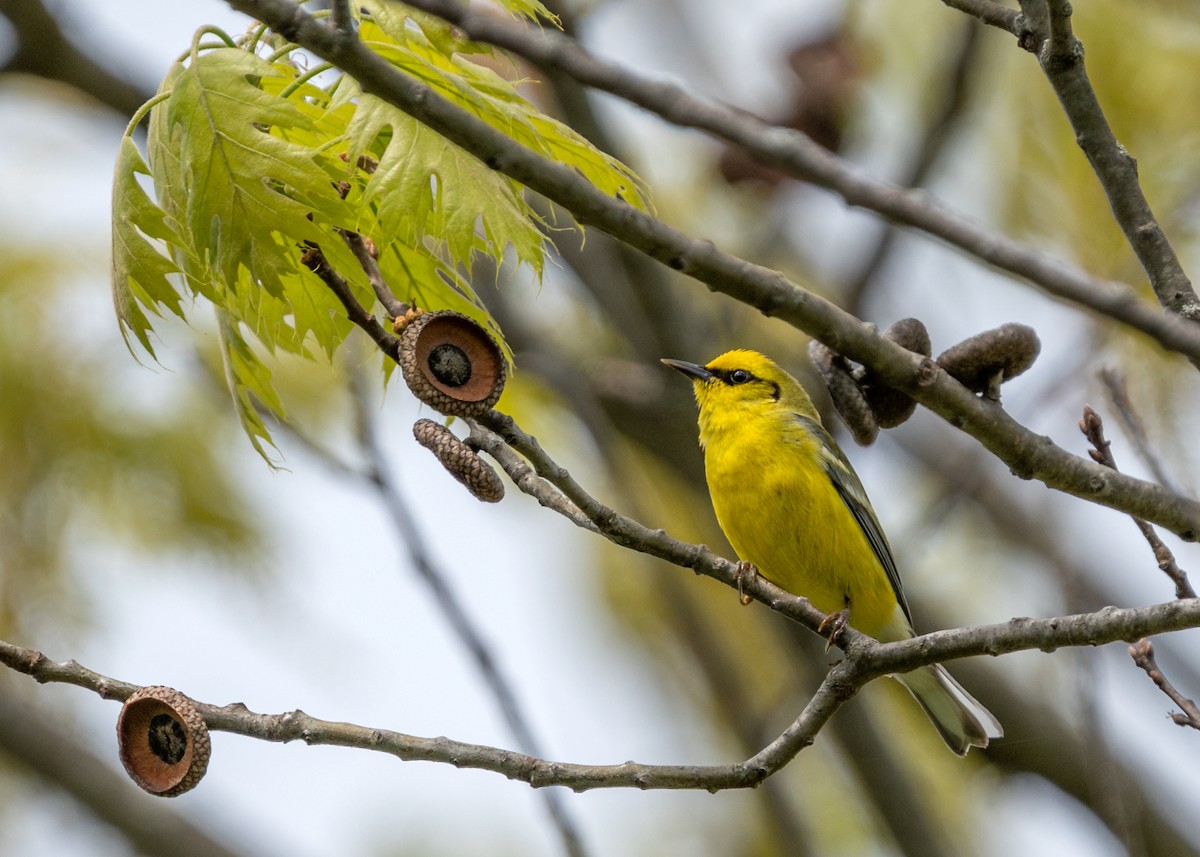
x: 791, y: 504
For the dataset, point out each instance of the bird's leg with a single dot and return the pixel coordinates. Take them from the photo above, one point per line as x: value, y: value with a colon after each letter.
x: 834, y: 624
x: 745, y: 571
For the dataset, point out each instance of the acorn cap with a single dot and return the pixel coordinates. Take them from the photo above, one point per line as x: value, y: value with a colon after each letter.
x: 451, y: 363
x: 461, y: 460
x: 163, y: 741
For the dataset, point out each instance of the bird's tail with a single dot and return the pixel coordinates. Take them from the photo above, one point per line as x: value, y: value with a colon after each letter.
x: 958, y: 716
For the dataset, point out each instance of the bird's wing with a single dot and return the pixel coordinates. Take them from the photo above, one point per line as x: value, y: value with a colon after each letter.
x: 851, y: 490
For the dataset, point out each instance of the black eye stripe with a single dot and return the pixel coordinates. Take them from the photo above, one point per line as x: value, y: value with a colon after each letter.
x: 733, y: 377
x: 737, y: 377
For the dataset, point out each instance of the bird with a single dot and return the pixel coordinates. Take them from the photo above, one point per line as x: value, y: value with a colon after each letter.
x: 792, y: 507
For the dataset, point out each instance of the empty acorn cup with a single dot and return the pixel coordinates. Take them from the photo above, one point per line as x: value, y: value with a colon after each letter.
x: 163, y: 741
x: 451, y: 363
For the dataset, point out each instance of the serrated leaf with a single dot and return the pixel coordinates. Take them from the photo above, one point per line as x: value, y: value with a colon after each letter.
x: 493, y: 99
x: 425, y: 186
x: 316, y: 311
x: 241, y: 153
x: 237, y: 185
x: 139, y: 271
x: 249, y: 382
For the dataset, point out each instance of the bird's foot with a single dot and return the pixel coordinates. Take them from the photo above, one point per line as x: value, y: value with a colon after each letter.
x: 745, y: 571
x: 833, y: 625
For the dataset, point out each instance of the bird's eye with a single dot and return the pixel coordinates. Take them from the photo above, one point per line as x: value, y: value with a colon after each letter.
x: 739, y: 376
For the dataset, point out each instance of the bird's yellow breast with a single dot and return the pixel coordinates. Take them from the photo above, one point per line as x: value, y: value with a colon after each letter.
x: 780, y: 510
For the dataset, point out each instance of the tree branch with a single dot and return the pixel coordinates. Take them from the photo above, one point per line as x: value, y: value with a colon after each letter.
x: 299, y: 726
x: 1093, y: 429
x: 494, y: 428
x: 865, y: 661
x: 1142, y: 653
x: 1044, y: 28
x: 1027, y: 454
x: 1103, y: 626
x: 792, y: 152
x: 1060, y: 55
x: 1107, y: 625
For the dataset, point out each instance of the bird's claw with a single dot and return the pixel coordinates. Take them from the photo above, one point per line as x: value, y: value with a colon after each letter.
x: 833, y: 625
x: 745, y: 571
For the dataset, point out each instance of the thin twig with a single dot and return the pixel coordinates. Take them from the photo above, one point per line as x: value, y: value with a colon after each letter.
x: 1142, y: 653
x: 627, y: 532
x: 366, y: 253
x: 525, y: 478
x: 864, y: 662
x: 1044, y: 27
x: 1093, y: 429
x: 1060, y: 55
x: 395, y: 307
x: 298, y: 726
x: 316, y: 262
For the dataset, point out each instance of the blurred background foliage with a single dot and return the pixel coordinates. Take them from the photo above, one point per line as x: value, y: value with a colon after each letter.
x: 84, y: 460
x: 915, y: 93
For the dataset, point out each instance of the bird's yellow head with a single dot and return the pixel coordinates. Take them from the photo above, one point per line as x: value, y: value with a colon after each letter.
x: 743, y: 385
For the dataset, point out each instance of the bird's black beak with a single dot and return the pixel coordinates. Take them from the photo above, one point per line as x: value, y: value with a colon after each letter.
x: 692, y: 370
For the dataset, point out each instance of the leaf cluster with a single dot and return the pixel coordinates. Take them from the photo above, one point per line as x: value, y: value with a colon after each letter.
x: 253, y: 156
